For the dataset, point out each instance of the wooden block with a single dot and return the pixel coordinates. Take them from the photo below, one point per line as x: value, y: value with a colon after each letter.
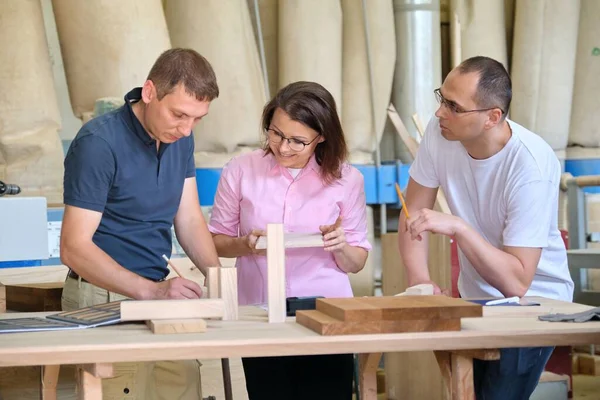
x: 575, y: 364
x: 398, y: 308
x: 424, y: 289
x: 229, y: 293
x: 276, y: 289
x: 295, y: 240
x: 326, y: 325
x: 168, y: 326
x: 34, y: 297
x: 2, y: 298
x: 589, y: 364
x: 98, y: 370
x: 142, y: 310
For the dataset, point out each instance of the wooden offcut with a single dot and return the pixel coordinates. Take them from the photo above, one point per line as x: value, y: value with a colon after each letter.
x: 276, y: 293
x: 368, y: 315
x: 168, y: 326
x: 295, y: 240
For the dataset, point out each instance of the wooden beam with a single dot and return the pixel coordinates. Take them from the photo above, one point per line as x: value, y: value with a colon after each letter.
x: 463, y: 387
x: 295, y: 240
x: 143, y: 310
x: 2, y: 298
x: 276, y: 273
x: 89, y: 387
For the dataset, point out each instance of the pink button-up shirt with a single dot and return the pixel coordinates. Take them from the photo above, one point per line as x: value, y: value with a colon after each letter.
x: 254, y: 190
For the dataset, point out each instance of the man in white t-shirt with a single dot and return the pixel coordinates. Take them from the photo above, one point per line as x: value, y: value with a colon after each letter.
x: 501, y: 182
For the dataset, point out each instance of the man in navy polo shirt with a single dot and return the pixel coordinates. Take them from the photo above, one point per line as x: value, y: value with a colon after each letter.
x: 130, y: 176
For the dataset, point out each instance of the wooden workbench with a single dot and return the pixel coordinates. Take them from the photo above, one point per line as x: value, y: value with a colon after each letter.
x: 252, y: 335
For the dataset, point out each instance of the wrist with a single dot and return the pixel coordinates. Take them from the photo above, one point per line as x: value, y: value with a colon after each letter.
x: 460, y: 227
x: 145, y: 290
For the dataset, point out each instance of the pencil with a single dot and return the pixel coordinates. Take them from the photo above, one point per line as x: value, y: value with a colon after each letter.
x: 402, y: 201
x: 172, y: 266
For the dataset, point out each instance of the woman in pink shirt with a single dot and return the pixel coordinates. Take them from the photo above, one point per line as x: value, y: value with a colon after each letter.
x: 300, y: 179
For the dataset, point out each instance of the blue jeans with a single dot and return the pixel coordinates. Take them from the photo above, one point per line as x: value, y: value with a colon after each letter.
x: 513, y: 377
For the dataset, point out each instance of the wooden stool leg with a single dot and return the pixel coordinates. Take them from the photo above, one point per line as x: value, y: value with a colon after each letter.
x: 89, y: 380
x: 49, y: 381
x: 367, y: 364
x: 462, y: 377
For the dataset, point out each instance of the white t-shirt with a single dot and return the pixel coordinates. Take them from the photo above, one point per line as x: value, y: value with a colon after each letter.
x: 294, y: 172
x: 510, y: 198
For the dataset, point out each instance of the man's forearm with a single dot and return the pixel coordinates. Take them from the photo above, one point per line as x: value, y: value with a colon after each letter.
x: 197, y: 242
x: 499, y: 268
x: 95, y: 266
x: 351, y: 259
x: 413, y: 254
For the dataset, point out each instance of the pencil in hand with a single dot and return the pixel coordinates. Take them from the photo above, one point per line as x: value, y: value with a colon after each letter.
x: 402, y: 201
x: 172, y: 266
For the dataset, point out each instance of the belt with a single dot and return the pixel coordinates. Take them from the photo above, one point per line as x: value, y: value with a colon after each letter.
x: 75, y: 275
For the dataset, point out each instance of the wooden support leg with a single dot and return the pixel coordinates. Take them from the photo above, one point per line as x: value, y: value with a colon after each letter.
x: 367, y: 364
x: 212, y: 282
x: 89, y: 380
x: 229, y: 293
x: 49, y: 381
x: 2, y: 298
x: 457, y: 370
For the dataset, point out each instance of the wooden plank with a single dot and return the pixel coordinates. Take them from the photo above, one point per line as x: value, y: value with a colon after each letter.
x: 229, y: 292
x: 142, y: 310
x: 276, y: 287
x: 398, y: 308
x: 34, y: 297
x: 295, y: 240
x: 25, y: 275
x: 169, y: 326
x: 326, y: 325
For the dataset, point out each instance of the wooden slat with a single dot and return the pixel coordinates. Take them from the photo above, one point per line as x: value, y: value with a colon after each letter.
x: 49, y: 382
x: 142, y: 310
x: 367, y: 365
x: 2, y: 298
x: 229, y: 292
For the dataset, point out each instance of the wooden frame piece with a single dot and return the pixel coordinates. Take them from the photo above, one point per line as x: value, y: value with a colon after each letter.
x: 168, y: 326
x: 212, y: 282
x: 367, y: 366
x: 457, y: 370
x: 276, y: 273
x: 89, y: 380
x: 49, y: 381
x: 143, y: 310
x: 2, y: 298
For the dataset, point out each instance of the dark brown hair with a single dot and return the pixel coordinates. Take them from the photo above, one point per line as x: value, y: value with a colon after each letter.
x: 494, y: 88
x: 184, y: 66
x: 312, y: 105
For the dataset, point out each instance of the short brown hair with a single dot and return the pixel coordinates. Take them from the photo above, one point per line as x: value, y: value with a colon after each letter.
x: 312, y: 105
x: 494, y: 88
x: 187, y: 67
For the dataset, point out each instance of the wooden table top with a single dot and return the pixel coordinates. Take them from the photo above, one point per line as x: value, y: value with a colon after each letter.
x: 252, y: 335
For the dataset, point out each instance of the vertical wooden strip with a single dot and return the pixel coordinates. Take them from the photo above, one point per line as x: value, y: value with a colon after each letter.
x: 443, y: 360
x: 89, y: 387
x: 212, y: 282
x: 2, y: 298
x: 276, y: 273
x: 228, y: 291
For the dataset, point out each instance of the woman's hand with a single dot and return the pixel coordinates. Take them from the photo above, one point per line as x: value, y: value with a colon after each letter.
x: 251, y: 239
x: 334, y: 238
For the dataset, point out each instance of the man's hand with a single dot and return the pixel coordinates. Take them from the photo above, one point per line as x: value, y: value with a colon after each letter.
x: 252, y: 238
x: 176, y: 288
x: 426, y: 220
x: 334, y: 237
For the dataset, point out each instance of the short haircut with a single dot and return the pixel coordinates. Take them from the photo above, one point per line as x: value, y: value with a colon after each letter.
x: 494, y: 88
x: 184, y: 66
x: 312, y: 105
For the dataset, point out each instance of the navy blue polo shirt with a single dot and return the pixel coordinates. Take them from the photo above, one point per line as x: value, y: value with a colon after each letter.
x: 114, y: 167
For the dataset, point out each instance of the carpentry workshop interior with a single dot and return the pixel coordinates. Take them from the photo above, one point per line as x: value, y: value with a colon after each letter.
x: 316, y: 199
